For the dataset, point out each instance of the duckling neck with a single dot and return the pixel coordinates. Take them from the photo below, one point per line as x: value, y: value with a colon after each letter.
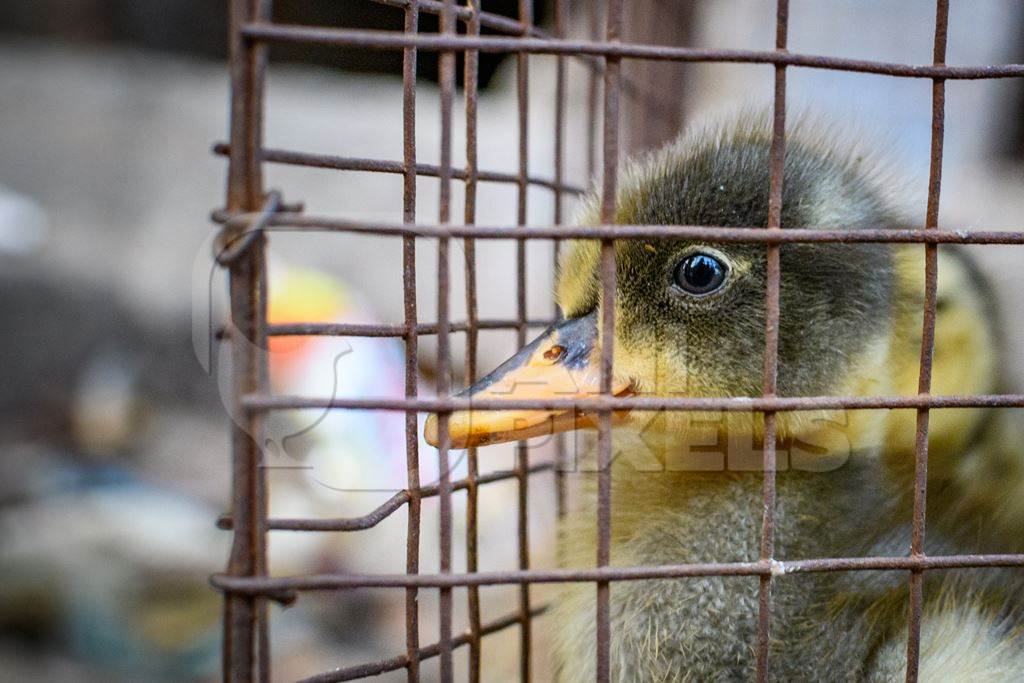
x: 660, y: 516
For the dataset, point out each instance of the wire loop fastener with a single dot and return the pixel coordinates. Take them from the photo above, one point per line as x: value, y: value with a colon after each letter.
x: 240, y: 232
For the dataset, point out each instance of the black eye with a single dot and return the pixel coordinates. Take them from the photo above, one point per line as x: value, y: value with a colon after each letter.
x: 700, y: 274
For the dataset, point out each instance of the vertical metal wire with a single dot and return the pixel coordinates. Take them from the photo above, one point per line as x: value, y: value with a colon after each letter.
x: 924, y: 384
x: 447, y: 78
x: 412, y: 551
x: 593, y: 87
x: 470, y: 75
x: 262, y: 491
x: 771, y: 343
x: 245, y: 174
x: 561, y: 23
x: 522, y: 453
x: 246, y: 632
x: 262, y: 11
x: 609, y: 198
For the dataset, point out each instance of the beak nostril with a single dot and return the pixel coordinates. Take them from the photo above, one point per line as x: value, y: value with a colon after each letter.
x: 554, y: 353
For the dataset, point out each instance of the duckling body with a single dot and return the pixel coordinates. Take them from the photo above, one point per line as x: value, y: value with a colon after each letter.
x: 687, y: 487
x: 826, y: 626
x: 702, y: 628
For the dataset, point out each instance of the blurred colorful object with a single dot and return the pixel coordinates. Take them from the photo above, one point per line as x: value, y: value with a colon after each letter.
x: 342, y: 450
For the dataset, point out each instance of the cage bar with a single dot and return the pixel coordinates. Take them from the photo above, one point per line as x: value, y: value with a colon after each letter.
x: 609, y: 203
x: 447, y: 82
x: 762, y: 404
x: 411, y: 335
x: 561, y: 25
x: 246, y: 629
x: 384, y: 510
x: 521, y: 452
x: 777, y: 160
x: 510, y: 26
x: 471, y: 61
x: 343, y: 163
x: 916, y: 597
x: 251, y: 214
x: 391, y: 40
x: 394, y: 663
x: 372, y: 330
x: 278, y: 587
x: 291, y: 222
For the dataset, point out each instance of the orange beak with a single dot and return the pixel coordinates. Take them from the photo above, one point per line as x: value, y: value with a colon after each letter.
x: 563, y: 362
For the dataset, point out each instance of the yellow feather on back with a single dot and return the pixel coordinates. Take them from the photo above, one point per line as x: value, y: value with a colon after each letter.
x: 964, y: 361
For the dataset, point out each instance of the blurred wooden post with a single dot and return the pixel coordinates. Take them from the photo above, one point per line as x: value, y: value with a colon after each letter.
x: 655, y: 113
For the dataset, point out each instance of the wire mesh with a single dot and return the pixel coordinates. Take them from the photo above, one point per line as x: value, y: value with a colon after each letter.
x: 252, y: 215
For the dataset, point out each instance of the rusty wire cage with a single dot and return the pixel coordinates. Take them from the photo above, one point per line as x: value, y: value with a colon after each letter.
x: 251, y: 213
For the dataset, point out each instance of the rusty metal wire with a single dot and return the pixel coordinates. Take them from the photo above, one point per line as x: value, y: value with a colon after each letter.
x: 287, y: 222
x: 385, y: 40
x: 471, y: 64
x: 340, y: 163
x: 251, y: 216
x: 771, y: 343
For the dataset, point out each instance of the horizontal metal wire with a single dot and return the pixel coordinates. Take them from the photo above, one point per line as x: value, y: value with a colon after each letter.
x: 507, y: 25
x: 495, y: 22
x: 369, y: 330
x: 392, y: 40
x: 428, y: 652
x: 367, y: 521
x: 748, y: 235
x: 321, y: 582
x: 342, y: 163
x: 384, y: 510
x: 760, y: 404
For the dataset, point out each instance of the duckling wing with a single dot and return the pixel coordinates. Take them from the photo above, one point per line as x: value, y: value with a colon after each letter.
x: 976, y: 458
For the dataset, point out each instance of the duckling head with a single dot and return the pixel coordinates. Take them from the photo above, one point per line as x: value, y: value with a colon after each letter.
x: 690, y: 315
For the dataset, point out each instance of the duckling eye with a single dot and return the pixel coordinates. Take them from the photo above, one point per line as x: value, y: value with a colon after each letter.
x: 700, y: 274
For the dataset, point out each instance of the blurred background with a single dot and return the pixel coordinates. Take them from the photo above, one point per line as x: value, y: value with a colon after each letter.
x: 113, y: 434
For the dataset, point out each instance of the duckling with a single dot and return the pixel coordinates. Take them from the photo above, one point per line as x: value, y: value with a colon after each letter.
x: 686, y: 487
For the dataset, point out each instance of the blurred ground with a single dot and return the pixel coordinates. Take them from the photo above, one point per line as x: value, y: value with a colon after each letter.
x: 114, y: 438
